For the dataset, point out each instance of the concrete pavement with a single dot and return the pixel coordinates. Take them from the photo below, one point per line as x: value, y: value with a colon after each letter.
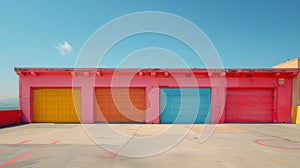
x: 103, y: 145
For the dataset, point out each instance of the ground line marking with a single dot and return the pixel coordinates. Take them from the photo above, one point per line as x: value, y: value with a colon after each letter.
x: 12, y: 160
x: 54, y: 142
x: 258, y: 141
x: 23, y: 142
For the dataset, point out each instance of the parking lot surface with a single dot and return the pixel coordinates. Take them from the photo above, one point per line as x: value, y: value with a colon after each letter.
x: 144, y: 145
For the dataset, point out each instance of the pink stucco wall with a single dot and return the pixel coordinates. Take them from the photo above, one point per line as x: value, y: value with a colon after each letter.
x: 152, y: 81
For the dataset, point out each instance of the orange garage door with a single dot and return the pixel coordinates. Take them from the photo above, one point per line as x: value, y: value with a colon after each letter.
x: 120, y: 105
x: 56, y: 105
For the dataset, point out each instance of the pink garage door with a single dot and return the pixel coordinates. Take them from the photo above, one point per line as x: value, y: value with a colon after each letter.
x: 249, y: 105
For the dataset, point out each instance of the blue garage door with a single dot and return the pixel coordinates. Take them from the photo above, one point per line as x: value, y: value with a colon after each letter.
x: 185, y: 105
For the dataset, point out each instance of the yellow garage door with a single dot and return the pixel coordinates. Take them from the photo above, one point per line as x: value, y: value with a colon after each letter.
x: 56, y: 105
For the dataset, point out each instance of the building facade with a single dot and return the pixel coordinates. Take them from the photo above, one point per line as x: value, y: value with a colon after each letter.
x: 90, y: 95
x: 294, y: 64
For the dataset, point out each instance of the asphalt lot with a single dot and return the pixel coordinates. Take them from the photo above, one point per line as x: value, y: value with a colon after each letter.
x: 141, y: 145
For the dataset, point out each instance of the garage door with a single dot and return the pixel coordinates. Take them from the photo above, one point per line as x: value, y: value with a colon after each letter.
x: 120, y: 105
x: 185, y: 105
x: 249, y: 105
x: 56, y: 105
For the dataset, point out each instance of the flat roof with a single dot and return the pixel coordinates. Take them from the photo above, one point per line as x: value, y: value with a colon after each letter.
x: 270, y: 70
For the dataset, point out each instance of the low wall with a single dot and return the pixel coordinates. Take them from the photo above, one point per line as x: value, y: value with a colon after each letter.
x: 10, y: 117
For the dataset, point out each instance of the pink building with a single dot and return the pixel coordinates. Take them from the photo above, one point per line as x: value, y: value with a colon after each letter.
x: 93, y: 95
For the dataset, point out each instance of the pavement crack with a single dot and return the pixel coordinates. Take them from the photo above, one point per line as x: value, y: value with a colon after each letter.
x: 132, y: 136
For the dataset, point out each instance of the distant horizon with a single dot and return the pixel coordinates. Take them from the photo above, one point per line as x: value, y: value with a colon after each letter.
x: 9, y: 108
x: 9, y: 102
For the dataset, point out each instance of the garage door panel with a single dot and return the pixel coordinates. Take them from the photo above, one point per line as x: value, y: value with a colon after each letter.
x: 253, y: 119
x: 130, y: 106
x: 52, y: 115
x: 103, y: 91
x: 105, y: 105
x: 41, y: 114
x: 203, y: 108
x: 74, y: 116
x: 51, y: 100
x: 246, y: 99
x: 73, y: 108
x: 137, y: 99
x: 250, y: 92
x: 248, y: 96
x: 40, y: 102
x: 63, y: 116
x: 137, y: 91
x: 65, y: 108
x: 38, y: 93
x: 114, y: 118
x: 56, y: 105
x: 51, y: 107
x: 205, y: 99
x: 250, y: 112
x: 114, y: 112
x: 64, y: 99
x: 140, y: 107
x: 249, y: 105
x: 52, y: 93
x: 120, y: 104
x: 64, y: 93
x: 186, y: 105
x: 39, y: 105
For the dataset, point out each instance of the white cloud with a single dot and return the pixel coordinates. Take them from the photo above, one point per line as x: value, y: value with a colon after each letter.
x: 64, y: 48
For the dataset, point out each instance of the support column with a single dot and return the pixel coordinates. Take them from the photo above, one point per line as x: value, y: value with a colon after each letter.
x: 87, y: 100
x: 217, y: 109
x: 152, y: 104
x: 284, y: 102
x: 25, y: 101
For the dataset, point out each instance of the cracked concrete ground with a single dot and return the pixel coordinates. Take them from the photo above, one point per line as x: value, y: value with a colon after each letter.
x: 142, y: 145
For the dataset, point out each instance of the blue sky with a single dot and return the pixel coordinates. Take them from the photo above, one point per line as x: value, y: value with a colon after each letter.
x: 246, y: 33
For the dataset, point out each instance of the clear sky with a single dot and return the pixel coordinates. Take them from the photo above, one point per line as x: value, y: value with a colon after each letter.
x: 50, y: 33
